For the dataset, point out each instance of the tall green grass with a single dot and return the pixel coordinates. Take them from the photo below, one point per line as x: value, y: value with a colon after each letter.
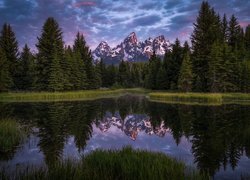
x: 126, y: 164
x: 11, y: 134
x: 65, y: 96
x: 200, y: 98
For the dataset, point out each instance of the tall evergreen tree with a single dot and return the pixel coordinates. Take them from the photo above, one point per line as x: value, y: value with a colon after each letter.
x: 161, y: 82
x: 55, y: 80
x: 224, y: 28
x: 185, y: 81
x: 234, y: 32
x: 123, y: 74
x: 216, y: 72
x: 5, y: 78
x: 9, y: 46
x: 111, y: 76
x: 245, y: 76
x: 50, y: 42
x: 81, y: 47
x: 28, y: 74
x: 204, y: 35
x: 173, y: 64
x: 247, y: 40
x: 153, y: 67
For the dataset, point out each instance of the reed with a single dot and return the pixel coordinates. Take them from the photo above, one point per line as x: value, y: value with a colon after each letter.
x: 113, y: 164
x: 11, y: 134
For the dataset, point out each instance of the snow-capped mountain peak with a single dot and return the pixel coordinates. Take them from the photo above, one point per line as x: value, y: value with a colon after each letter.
x: 131, y: 49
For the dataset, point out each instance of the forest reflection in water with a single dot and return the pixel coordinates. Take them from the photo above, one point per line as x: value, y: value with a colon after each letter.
x: 218, y: 135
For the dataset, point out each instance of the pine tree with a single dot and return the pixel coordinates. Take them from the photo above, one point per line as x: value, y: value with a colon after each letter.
x: 98, y: 76
x: 216, y: 72
x: 231, y: 81
x: 28, y: 74
x: 75, y: 77
x: 185, y: 81
x: 245, y: 76
x: 153, y: 67
x: 111, y: 76
x: 85, y: 54
x: 206, y: 32
x: 123, y: 74
x: 173, y: 64
x: 9, y: 46
x: 5, y: 78
x: 247, y: 40
x: 161, y: 82
x: 55, y: 80
x: 51, y: 41
x: 234, y: 32
x: 224, y: 28
x: 66, y: 69
x: 82, y: 81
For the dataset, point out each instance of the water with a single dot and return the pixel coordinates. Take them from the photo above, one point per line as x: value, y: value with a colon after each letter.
x: 211, y: 138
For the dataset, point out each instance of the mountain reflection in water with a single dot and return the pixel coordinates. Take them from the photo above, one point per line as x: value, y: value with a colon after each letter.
x: 215, y: 139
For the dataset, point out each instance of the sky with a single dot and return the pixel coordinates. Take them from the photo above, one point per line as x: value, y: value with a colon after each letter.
x: 112, y: 20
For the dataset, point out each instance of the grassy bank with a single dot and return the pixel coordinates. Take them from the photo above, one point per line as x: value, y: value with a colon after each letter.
x: 10, y: 134
x: 65, y: 96
x: 168, y: 97
x: 107, y: 165
x: 200, y: 98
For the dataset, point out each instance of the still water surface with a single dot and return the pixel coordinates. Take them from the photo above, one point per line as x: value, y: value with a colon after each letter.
x: 211, y: 138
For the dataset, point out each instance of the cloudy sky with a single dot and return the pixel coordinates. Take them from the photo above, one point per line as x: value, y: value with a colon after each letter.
x: 112, y: 20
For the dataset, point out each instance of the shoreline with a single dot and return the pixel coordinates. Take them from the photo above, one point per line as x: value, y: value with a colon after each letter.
x: 155, y: 96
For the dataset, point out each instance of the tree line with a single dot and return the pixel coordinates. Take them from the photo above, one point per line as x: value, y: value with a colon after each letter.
x: 217, y: 61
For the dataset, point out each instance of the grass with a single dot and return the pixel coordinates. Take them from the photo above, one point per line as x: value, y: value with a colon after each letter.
x: 168, y: 97
x: 201, y: 98
x: 112, y: 164
x: 10, y: 135
x: 65, y: 96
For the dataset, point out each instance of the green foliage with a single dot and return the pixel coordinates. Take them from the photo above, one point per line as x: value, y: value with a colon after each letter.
x: 153, y: 68
x: 50, y: 46
x: 28, y: 72
x: 9, y: 46
x: 185, y: 81
x: 85, y: 56
x: 206, y: 32
x: 123, y: 74
x: 175, y: 63
x: 11, y: 134
x: 113, y: 164
x: 245, y: 76
x: 5, y: 78
x: 55, y: 81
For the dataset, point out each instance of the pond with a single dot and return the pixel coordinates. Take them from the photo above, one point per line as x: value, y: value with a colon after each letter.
x: 215, y: 139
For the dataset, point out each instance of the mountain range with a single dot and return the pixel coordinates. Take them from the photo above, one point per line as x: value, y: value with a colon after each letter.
x: 132, y: 125
x: 132, y: 50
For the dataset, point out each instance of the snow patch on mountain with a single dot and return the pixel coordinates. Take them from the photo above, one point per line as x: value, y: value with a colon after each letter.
x: 131, y: 49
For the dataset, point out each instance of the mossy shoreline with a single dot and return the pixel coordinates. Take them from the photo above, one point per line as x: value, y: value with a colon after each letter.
x: 200, y: 98
x: 67, y: 96
x: 114, y: 164
x: 163, y: 96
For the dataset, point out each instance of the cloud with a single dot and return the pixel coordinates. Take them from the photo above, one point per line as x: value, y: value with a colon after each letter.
x: 146, y: 20
x: 85, y: 3
x: 112, y: 20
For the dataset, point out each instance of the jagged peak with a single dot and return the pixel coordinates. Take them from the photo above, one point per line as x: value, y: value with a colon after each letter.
x: 132, y: 38
x: 161, y: 37
x: 103, y: 43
